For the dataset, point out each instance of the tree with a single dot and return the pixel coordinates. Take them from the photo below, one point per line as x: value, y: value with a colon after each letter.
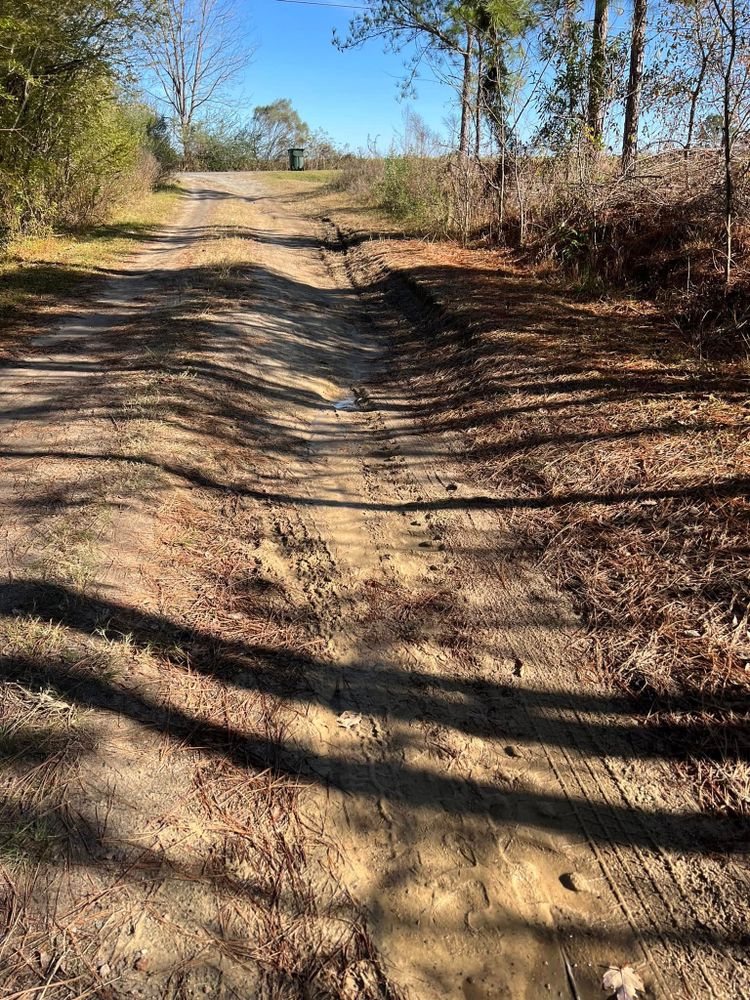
x: 732, y: 75
x: 224, y: 144
x: 59, y: 66
x: 562, y: 98
x: 681, y: 73
x: 194, y: 49
x: 432, y: 29
x: 598, y: 72
x: 438, y: 32
x: 275, y: 128
x: 635, y: 85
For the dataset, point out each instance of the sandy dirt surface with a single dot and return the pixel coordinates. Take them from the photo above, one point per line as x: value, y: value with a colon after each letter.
x: 500, y: 827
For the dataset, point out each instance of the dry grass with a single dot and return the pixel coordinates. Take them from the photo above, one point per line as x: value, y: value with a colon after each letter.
x: 630, y: 469
x: 657, y: 234
x: 43, y: 276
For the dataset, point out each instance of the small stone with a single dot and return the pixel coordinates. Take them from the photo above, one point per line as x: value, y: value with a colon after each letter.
x: 575, y: 882
x: 104, y: 970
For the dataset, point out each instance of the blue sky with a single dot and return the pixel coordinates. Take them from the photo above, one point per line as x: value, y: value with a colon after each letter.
x: 352, y: 95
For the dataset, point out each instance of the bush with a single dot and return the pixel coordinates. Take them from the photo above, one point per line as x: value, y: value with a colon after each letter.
x: 440, y: 196
x: 107, y: 152
x: 69, y: 145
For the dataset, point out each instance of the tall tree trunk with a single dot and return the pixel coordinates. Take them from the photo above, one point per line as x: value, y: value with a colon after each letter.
x: 185, y: 144
x: 597, y: 72
x: 463, y: 142
x: 727, y: 137
x: 635, y: 86
x: 478, y: 108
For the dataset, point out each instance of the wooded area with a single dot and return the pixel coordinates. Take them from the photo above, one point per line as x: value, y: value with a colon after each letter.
x: 623, y: 157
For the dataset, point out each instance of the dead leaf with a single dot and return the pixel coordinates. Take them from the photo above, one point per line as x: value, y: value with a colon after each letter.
x: 348, y: 720
x: 623, y: 981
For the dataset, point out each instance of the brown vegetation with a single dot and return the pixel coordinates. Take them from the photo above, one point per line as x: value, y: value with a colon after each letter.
x: 656, y: 234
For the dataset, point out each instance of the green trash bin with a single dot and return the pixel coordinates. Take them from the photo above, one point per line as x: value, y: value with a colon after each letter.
x: 297, y: 158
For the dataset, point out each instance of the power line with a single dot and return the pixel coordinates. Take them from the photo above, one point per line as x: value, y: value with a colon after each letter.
x: 321, y: 3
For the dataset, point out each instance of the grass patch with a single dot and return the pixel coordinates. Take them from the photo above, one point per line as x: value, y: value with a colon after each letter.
x: 307, y: 176
x: 42, y: 274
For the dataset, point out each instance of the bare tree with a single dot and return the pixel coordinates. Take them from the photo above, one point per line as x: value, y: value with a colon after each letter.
x: 194, y: 49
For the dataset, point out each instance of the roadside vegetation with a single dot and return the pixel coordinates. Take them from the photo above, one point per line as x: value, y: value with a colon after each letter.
x: 620, y: 155
x: 589, y: 335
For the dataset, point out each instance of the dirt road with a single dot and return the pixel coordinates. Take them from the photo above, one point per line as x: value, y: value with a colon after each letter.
x: 268, y: 577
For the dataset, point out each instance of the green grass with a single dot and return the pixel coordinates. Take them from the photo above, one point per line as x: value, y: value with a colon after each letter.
x: 310, y: 176
x: 39, y: 272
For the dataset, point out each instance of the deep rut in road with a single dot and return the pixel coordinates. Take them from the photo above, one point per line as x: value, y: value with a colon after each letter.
x: 505, y: 828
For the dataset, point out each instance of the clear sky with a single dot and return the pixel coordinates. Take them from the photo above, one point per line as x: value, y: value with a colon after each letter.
x: 352, y: 95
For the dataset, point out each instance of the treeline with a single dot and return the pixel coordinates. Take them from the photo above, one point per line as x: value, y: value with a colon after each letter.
x: 552, y: 74
x: 613, y: 140
x: 69, y: 140
x: 263, y: 143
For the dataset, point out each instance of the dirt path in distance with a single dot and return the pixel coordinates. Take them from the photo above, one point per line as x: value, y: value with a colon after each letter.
x: 330, y: 738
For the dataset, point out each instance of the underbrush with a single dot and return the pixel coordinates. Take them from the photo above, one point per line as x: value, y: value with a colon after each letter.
x: 657, y: 234
x: 444, y: 197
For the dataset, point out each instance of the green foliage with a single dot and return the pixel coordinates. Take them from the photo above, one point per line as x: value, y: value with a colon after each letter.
x: 438, y: 30
x: 562, y: 101
x: 410, y: 192
x: 219, y: 145
x: 264, y: 141
x: 274, y: 129
x: 67, y: 143
x: 224, y: 145
x: 157, y: 142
